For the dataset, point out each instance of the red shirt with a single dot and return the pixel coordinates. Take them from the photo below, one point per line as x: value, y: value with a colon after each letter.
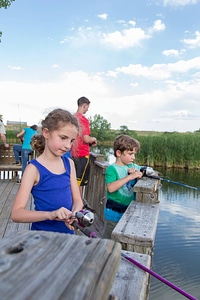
x: 80, y: 148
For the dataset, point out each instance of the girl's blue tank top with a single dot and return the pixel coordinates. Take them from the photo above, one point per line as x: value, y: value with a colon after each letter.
x: 52, y: 192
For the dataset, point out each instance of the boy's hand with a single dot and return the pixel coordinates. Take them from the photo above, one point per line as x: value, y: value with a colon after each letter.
x: 134, y: 173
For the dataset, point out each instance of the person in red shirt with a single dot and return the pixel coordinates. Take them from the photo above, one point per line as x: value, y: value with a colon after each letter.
x: 80, y: 150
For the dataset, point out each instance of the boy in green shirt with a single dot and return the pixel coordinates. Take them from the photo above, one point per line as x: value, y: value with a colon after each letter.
x: 120, y: 178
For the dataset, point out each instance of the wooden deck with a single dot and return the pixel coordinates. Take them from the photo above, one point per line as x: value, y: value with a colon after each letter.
x: 8, y: 190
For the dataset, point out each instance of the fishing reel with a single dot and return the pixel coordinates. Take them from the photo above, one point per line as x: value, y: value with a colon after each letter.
x: 147, y: 171
x: 85, y: 217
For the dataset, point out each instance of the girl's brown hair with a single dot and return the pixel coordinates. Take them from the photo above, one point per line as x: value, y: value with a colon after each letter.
x: 53, y: 121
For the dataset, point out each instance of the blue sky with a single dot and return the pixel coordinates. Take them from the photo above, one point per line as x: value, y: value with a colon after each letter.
x: 137, y: 61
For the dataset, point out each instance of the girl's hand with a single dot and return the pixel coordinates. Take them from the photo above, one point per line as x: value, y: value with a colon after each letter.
x: 69, y: 223
x: 61, y: 214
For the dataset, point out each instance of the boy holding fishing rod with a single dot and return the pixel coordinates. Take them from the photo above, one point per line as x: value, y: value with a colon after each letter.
x: 120, y: 178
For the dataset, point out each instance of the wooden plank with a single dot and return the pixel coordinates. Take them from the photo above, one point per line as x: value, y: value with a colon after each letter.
x: 8, y: 190
x: 137, y: 228
x: 8, y: 167
x: 47, y: 265
x: 146, y: 184
x: 6, y: 203
x: 131, y: 282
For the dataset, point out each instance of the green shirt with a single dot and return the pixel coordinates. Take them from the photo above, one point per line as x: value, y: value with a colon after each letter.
x: 125, y: 194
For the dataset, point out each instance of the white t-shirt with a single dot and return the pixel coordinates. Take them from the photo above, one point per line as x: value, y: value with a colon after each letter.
x: 2, y: 128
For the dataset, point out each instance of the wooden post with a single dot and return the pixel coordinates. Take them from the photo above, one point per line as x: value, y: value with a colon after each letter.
x: 147, y: 190
x: 96, y: 189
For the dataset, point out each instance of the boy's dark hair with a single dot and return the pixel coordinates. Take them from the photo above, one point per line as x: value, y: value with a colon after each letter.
x: 125, y: 142
x: 83, y: 100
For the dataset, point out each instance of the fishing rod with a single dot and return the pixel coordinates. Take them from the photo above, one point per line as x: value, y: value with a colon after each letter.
x: 85, y: 219
x: 170, y: 284
x: 149, y: 173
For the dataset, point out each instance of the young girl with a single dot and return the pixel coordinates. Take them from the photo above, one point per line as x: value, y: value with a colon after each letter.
x: 51, y: 178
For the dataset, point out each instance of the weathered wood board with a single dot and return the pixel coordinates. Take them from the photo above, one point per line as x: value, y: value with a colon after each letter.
x: 46, y: 265
x: 131, y: 282
x: 8, y: 190
x: 147, y: 190
x: 137, y: 228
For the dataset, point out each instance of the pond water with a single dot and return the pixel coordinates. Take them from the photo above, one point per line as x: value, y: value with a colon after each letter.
x: 177, y: 244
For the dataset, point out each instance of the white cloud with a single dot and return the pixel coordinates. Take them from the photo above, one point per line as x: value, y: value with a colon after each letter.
x: 162, y: 109
x: 193, y: 43
x: 15, y: 68
x: 161, y: 71
x: 103, y: 16
x: 43, y: 96
x: 157, y: 26
x: 55, y: 66
x: 179, y: 2
x: 112, y: 74
x: 65, y: 40
x: 126, y: 38
x: 134, y: 84
x: 171, y: 52
x: 129, y: 37
x: 133, y: 23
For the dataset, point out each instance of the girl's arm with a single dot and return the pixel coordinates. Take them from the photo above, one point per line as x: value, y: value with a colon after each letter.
x: 19, y: 211
x: 76, y: 196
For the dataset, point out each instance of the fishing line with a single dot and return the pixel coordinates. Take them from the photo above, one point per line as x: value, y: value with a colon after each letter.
x: 181, y: 184
x: 149, y: 173
x: 174, y: 182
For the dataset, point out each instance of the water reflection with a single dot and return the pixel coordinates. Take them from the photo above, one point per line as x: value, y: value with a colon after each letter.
x: 177, y: 243
x: 176, y: 251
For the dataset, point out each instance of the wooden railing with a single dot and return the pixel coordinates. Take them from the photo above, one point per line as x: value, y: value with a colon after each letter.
x: 8, y: 170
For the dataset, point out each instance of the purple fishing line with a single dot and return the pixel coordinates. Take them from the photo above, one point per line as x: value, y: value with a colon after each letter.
x: 173, y: 286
